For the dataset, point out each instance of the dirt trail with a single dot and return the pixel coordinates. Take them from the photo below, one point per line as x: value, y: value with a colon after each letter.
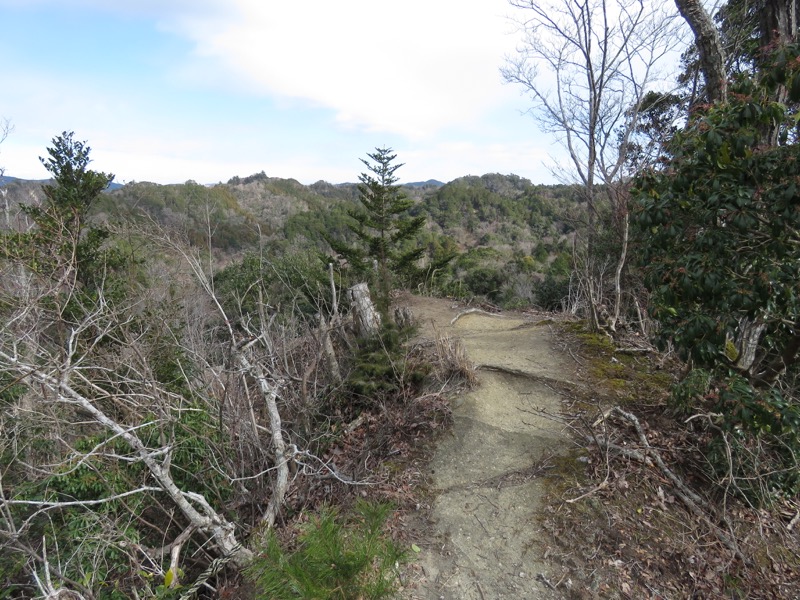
x: 483, y: 541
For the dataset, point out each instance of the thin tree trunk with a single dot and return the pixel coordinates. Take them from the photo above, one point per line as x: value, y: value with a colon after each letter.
x: 618, y: 274
x: 328, y: 350
x: 269, y: 392
x: 325, y: 328
x: 747, y: 343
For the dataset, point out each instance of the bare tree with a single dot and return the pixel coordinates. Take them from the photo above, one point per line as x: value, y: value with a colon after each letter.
x: 104, y: 402
x: 149, y: 424
x: 268, y: 377
x: 93, y: 427
x: 588, y: 66
x: 5, y: 130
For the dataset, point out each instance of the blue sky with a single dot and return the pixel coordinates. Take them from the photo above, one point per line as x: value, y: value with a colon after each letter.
x: 171, y: 90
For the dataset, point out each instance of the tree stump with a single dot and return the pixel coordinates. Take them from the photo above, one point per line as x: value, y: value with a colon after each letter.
x: 366, y: 320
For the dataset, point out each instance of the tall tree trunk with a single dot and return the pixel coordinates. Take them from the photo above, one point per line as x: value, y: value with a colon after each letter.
x: 269, y: 392
x: 778, y: 25
x: 778, y: 22
x: 709, y: 46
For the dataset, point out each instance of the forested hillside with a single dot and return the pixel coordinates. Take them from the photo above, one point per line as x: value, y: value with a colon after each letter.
x: 508, y: 238
x: 190, y: 374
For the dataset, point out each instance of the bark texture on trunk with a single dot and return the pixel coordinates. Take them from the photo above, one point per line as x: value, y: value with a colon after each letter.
x: 366, y: 319
x: 709, y: 46
x: 778, y: 22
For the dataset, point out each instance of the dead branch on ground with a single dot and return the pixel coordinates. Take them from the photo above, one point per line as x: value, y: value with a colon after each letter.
x: 649, y: 456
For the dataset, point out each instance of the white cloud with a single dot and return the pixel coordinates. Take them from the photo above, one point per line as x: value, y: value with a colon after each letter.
x: 147, y: 8
x: 412, y: 68
x: 408, y: 75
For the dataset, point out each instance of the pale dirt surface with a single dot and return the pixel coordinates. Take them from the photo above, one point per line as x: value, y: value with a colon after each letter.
x: 481, y: 539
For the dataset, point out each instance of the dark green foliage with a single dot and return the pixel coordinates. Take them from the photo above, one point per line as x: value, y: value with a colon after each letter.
x: 475, y: 256
x: 321, y: 221
x: 755, y: 420
x: 469, y: 201
x: 84, y: 534
x: 279, y: 217
x: 75, y: 188
x: 719, y: 235
x: 551, y: 292
x: 685, y: 394
x: 294, y: 281
x: 721, y: 228
x: 334, y: 558
x: 11, y: 390
x: 507, y: 230
x: 197, y: 441
x: 94, y: 533
x: 63, y: 242
x: 561, y: 267
x: 236, y: 180
x: 384, y: 229
x: 64, y: 251
x: 241, y: 287
x: 379, y: 370
x: 486, y: 281
x: 97, y: 476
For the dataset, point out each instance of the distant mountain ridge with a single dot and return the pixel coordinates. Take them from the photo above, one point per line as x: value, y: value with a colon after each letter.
x: 430, y: 183
x: 7, y: 179
x: 493, y: 209
x: 421, y: 184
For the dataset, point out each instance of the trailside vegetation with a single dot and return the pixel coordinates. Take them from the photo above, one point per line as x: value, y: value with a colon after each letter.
x: 160, y: 416
x: 384, y: 229
x: 720, y: 226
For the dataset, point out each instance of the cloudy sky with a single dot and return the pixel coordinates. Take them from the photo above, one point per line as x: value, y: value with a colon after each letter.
x: 171, y: 90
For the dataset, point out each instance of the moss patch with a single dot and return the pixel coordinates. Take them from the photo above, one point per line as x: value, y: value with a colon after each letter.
x: 616, y: 376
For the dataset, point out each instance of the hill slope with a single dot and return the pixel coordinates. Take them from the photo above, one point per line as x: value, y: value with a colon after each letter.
x: 506, y: 232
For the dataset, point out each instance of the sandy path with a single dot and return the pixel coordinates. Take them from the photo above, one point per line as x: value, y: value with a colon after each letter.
x: 484, y: 541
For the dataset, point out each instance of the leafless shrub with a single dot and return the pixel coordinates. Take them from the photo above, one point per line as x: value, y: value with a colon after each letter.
x: 452, y: 362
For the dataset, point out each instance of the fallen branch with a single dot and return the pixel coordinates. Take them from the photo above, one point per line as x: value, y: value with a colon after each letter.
x: 649, y: 456
x: 471, y: 311
x: 603, y: 484
x: 545, y: 581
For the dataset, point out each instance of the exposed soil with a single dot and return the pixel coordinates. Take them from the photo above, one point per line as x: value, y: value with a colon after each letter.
x: 520, y: 505
x: 481, y: 537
